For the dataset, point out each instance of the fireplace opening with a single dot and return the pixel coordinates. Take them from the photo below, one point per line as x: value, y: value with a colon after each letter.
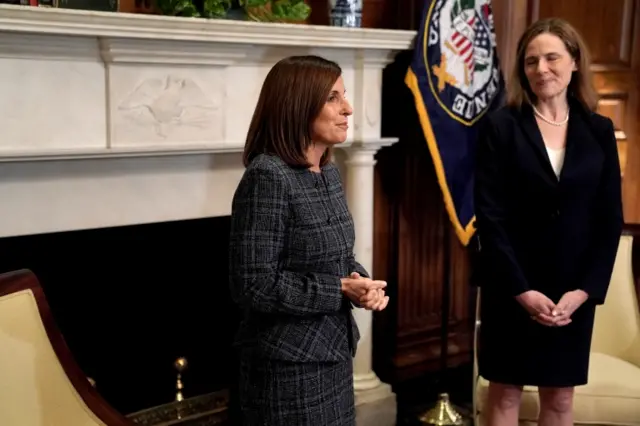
x: 131, y: 300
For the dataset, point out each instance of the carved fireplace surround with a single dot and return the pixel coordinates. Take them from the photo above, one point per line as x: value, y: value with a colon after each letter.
x: 117, y: 119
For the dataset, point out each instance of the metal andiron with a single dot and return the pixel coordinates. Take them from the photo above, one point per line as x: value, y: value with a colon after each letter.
x: 210, y: 409
x: 180, y: 365
x: 443, y: 413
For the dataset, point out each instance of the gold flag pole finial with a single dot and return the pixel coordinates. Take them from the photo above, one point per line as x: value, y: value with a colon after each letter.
x: 442, y: 414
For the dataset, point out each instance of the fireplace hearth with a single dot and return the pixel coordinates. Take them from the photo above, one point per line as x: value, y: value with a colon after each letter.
x: 130, y: 300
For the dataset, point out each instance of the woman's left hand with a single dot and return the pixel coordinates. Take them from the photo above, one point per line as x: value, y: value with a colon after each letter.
x: 567, y: 305
x: 373, y: 300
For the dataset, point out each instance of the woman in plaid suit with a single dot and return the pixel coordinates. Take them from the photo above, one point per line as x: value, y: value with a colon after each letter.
x: 292, y: 268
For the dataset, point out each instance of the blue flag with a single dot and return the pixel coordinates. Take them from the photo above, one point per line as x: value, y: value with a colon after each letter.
x: 455, y: 79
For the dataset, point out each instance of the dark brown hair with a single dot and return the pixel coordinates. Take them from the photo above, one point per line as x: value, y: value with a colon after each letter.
x: 581, y: 85
x: 292, y: 96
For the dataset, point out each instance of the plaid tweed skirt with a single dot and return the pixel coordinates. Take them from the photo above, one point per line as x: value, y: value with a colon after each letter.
x: 280, y: 393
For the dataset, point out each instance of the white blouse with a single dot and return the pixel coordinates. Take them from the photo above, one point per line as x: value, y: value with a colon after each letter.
x: 556, y: 157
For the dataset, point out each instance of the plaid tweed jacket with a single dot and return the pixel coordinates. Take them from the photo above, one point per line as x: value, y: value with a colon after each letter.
x: 292, y: 240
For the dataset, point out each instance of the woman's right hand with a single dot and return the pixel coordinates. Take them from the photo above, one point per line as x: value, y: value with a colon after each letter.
x: 355, y: 287
x: 539, y: 306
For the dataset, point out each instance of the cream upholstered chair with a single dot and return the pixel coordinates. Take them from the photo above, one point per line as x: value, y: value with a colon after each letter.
x: 40, y: 384
x: 612, y: 396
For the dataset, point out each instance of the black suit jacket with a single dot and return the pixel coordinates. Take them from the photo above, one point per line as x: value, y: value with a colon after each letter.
x: 538, y: 232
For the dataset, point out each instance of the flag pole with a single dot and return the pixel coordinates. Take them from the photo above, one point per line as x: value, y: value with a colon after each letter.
x: 444, y: 413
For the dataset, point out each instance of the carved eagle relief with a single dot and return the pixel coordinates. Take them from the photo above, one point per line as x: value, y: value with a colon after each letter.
x: 167, y: 103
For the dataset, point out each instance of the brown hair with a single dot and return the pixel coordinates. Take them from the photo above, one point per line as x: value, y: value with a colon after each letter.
x: 292, y: 96
x: 581, y: 85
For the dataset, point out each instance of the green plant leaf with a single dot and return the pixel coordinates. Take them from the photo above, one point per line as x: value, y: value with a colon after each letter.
x: 294, y: 10
x: 216, y: 8
x: 177, y: 8
x: 253, y: 3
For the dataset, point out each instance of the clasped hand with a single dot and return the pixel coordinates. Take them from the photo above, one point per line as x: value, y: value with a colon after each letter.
x: 365, y: 292
x: 544, y: 311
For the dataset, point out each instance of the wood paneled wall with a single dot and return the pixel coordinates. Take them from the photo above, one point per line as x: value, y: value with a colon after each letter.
x: 410, y: 231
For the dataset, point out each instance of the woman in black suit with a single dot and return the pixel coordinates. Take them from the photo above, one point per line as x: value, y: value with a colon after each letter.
x: 292, y: 266
x: 549, y: 219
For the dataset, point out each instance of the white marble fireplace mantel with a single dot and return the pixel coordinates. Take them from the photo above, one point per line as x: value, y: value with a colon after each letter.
x: 100, y: 84
x: 152, y: 110
x: 111, y: 119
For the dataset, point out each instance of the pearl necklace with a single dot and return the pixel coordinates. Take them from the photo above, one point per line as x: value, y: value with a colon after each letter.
x: 547, y: 120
